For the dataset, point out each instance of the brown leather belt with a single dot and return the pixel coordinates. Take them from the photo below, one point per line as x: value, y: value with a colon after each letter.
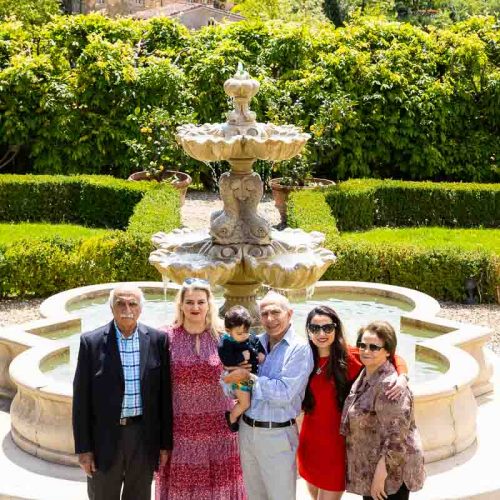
x: 130, y: 420
x: 267, y: 425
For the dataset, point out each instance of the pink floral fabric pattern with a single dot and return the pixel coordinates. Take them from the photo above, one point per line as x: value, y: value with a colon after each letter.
x: 205, y: 462
x: 375, y: 426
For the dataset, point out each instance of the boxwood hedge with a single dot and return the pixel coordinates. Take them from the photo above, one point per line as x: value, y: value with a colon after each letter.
x: 364, y: 203
x: 439, y: 272
x: 46, y: 266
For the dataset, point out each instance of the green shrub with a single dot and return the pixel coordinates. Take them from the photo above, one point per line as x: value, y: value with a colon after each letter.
x: 309, y: 210
x: 89, y: 200
x: 41, y: 267
x: 159, y: 210
x: 44, y: 267
x: 363, y: 203
x: 439, y: 272
x: 381, y: 99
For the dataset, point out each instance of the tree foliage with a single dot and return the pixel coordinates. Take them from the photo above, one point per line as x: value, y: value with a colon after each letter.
x: 31, y: 12
x: 379, y: 98
x: 287, y: 10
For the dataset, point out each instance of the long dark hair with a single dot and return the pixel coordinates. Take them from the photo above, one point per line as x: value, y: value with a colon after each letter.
x: 336, y: 367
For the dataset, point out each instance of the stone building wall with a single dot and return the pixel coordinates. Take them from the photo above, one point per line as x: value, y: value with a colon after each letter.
x: 123, y: 7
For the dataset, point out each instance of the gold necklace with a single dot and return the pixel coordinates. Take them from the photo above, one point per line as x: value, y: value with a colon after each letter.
x: 320, y: 367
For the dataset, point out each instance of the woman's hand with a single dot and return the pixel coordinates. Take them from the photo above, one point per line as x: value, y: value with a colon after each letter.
x: 377, y: 490
x: 164, y: 457
x: 398, y: 388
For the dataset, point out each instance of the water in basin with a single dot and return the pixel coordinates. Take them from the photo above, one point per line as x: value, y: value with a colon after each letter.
x: 355, y: 310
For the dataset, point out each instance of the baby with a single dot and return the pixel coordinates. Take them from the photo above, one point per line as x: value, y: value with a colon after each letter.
x: 236, y: 346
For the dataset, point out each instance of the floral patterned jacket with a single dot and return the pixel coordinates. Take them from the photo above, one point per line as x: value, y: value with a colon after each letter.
x: 375, y: 426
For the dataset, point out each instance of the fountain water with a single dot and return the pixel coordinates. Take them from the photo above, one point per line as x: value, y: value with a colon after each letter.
x: 241, y: 251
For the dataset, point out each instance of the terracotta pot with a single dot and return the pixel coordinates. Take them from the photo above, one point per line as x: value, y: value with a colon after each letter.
x: 181, y: 184
x: 282, y: 192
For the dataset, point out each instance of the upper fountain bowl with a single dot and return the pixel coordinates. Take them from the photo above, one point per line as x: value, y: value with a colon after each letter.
x: 225, y: 142
x: 241, y: 137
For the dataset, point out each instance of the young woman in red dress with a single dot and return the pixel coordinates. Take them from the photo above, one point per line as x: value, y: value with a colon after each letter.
x: 321, y: 451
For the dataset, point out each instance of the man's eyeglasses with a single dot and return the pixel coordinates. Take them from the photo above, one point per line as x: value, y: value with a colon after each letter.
x: 371, y: 347
x: 316, y: 329
x: 196, y: 281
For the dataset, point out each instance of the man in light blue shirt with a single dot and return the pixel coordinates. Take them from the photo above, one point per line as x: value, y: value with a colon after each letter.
x: 268, y: 434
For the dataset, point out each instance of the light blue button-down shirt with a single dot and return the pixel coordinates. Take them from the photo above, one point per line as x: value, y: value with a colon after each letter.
x: 279, y: 389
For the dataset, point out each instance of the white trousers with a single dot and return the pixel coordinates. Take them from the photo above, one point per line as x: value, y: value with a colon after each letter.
x: 268, y: 461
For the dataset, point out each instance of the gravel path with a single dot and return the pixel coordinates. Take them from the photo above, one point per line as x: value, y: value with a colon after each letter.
x: 199, y: 205
x: 196, y: 215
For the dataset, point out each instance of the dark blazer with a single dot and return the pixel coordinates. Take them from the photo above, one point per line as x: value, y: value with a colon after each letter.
x: 98, y: 389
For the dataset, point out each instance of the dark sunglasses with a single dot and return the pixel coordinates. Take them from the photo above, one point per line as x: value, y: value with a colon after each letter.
x: 316, y: 329
x: 371, y: 347
x: 195, y: 281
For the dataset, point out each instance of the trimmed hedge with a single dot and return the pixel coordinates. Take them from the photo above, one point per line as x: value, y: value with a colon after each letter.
x: 46, y: 266
x: 440, y: 273
x: 158, y: 211
x: 95, y: 201
x: 360, y: 204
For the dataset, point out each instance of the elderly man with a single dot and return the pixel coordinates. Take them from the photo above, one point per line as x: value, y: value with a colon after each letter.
x: 122, y: 408
x: 268, y: 433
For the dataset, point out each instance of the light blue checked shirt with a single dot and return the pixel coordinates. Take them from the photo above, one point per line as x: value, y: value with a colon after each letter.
x: 130, y: 354
x: 279, y: 389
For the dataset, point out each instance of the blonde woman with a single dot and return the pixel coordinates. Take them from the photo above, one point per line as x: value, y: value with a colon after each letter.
x: 205, y: 461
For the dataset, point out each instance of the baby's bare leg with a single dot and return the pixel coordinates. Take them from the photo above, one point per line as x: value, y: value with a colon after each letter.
x: 241, y: 406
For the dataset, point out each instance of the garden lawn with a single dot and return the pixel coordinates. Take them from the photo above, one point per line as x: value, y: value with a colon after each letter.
x: 432, y: 237
x: 14, y: 232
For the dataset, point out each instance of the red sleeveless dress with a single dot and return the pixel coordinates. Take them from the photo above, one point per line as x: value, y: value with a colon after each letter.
x: 321, y: 452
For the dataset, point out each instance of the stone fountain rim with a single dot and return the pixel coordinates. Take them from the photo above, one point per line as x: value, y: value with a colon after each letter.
x: 450, y: 391
x: 424, y: 310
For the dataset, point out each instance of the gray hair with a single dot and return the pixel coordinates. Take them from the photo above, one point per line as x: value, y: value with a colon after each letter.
x: 276, y: 298
x: 128, y: 288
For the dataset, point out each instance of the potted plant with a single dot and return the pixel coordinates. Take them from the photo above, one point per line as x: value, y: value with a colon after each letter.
x: 294, y: 174
x: 154, y: 150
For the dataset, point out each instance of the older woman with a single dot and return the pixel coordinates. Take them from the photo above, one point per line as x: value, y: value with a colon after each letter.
x: 205, y: 463
x: 384, y: 453
x: 321, y: 452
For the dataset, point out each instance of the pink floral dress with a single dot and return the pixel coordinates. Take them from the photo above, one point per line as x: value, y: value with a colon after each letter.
x: 205, y: 461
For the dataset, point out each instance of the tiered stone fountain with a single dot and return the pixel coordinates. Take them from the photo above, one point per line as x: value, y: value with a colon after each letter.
x: 241, y: 251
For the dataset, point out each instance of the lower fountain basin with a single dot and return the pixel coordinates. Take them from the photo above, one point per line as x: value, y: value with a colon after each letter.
x: 452, y: 366
x: 179, y: 266
x: 290, y: 270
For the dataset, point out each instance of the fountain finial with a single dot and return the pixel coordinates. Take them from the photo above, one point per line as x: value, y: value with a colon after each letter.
x: 241, y: 88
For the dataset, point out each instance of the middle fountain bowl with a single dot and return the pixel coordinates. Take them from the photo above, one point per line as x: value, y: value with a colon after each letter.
x: 240, y: 251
